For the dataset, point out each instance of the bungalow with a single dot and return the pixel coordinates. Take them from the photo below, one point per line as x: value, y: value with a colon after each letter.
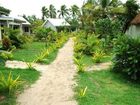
x: 56, y: 24
x: 14, y: 23
x: 134, y: 28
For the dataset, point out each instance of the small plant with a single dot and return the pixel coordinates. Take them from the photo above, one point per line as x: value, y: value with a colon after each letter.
x: 6, y: 55
x: 97, y: 56
x: 30, y: 65
x: 6, y: 43
x: 80, y: 65
x: 82, y: 92
x: 9, y: 84
x: 44, y: 53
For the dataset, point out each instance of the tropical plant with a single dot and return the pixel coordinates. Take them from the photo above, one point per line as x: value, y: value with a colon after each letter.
x: 63, y: 12
x: 6, y: 55
x: 82, y: 92
x: 98, y: 55
x: 80, y: 65
x: 127, y: 57
x: 45, y: 13
x: 31, y: 18
x: 30, y: 65
x: 40, y: 57
x: 75, y: 11
x: 52, y: 11
x: 6, y: 43
x: 42, y: 33
x: 8, y: 83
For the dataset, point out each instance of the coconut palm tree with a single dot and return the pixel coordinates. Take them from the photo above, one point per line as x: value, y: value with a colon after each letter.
x: 75, y: 11
x: 52, y: 11
x: 45, y: 13
x: 63, y: 12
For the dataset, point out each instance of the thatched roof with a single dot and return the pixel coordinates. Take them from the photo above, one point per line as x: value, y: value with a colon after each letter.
x: 136, y: 20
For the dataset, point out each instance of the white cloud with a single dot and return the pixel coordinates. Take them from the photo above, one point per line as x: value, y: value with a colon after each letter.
x: 30, y: 7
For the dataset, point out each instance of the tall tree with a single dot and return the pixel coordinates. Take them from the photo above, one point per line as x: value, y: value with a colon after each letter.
x: 45, y: 13
x: 30, y: 19
x: 63, y: 12
x: 132, y: 9
x: 75, y: 11
x: 4, y: 11
x: 52, y: 11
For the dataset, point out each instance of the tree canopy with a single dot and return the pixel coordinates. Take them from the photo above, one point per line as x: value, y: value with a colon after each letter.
x: 4, y: 11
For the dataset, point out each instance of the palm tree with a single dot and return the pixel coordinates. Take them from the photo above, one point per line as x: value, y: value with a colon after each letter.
x: 45, y: 13
x: 63, y: 12
x: 52, y: 11
x: 75, y: 11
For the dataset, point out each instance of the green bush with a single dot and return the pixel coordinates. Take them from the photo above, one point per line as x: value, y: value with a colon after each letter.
x: 98, y: 55
x: 107, y: 28
x: 127, y: 56
x: 86, y: 43
x: 6, y: 55
x: 6, y: 43
x: 8, y: 83
x: 14, y: 37
x: 41, y: 33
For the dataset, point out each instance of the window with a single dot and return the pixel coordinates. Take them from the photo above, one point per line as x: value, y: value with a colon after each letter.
x: 26, y: 29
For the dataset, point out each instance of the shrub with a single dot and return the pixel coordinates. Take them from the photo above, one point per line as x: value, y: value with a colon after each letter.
x: 42, y: 33
x: 14, y: 37
x: 98, y: 55
x: 6, y: 43
x: 127, y: 56
x: 9, y: 84
x: 80, y: 65
x: 86, y: 43
x: 106, y: 27
x: 6, y: 55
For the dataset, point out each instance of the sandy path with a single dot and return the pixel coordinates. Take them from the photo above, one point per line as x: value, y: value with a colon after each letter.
x: 100, y: 66
x: 55, y: 85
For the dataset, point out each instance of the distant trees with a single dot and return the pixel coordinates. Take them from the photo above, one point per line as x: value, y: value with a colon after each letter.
x: 45, y: 13
x: 4, y: 11
x: 52, y: 11
x: 63, y: 12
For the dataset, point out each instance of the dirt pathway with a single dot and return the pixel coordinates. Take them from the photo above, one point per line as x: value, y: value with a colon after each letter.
x: 55, y: 85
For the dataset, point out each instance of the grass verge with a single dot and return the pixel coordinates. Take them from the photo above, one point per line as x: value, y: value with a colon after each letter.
x: 27, y: 76
x: 107, y: 88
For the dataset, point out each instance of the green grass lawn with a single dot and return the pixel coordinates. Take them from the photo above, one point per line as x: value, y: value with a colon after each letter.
x: 30, y: 53
x: 27, y: 76
x: 107, y: 88
x: 88, y: 61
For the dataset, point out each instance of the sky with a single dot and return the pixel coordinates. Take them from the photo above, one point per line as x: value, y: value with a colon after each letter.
x: 33, y: 7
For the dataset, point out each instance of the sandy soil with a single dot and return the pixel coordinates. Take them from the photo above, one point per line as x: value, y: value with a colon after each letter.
x: 100, y: 66
x: 55, y: 86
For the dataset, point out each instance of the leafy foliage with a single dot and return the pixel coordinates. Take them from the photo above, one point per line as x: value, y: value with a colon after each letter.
x: 4, y: 11
x: 6, y: 55
x: 80, y: 65
x: 127, y: 56
x: 9, y: 84
x: 107, y: 28
x: 98, y: 55
x: 42, y: 33
x: 86, y: 43
x: 6, y: 43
